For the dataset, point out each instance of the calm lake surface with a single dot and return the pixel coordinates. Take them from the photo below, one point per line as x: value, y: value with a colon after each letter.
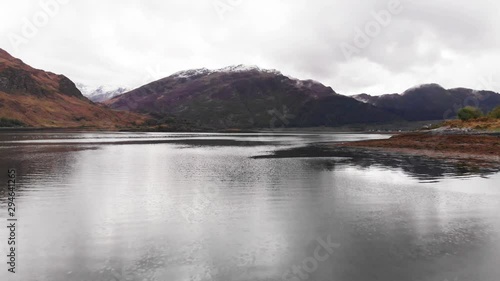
x: 163, y: 206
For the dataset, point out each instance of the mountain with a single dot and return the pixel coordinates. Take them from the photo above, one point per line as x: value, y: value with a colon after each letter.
x: 247, y: 97
x: 43, y: 99
x: 432, y: 102
x: 101, y: 93
x: 238, y: 97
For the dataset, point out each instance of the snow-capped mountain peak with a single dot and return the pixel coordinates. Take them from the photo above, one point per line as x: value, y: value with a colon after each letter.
x: 193, y: 73
x: 101, y: 93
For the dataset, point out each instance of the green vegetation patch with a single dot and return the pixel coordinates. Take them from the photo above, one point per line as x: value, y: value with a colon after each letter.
x: 495, y: 113
x: 469, y: 113
x: 10, y: 123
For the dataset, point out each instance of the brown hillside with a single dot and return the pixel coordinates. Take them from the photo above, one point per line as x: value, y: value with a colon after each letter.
x: 43, y: 99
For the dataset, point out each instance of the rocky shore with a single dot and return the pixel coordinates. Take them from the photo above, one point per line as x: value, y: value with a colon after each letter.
x: 454, y: 144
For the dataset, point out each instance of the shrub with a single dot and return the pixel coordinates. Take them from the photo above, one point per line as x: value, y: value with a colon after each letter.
x: 495, y: 113
x: 469, y: 113
x: 6, y: 122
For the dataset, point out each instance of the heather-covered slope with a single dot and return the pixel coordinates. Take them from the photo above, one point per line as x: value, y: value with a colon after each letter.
x: 247, y: 97
x: 43, y: 99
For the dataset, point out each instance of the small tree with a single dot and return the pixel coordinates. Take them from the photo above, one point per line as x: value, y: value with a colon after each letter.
x: 469, y: 112
x: 6, y: 122
x: 495, y: 113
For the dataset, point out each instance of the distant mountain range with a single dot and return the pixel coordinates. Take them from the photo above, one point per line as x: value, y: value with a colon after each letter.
x: 432, y: 102
x: 101, y: 93
x: 43, y: 99
x: 235, y: 97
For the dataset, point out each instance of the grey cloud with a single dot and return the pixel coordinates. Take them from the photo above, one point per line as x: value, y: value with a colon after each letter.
x: 118, y: 43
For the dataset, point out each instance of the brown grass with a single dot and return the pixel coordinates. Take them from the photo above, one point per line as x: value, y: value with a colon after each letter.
x: 61, y: 111
x: 475, y: 147
x: 484, y: 123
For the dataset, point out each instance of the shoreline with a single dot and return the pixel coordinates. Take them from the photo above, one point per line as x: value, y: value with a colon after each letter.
x: 224, y: 131
x: 475, y: 148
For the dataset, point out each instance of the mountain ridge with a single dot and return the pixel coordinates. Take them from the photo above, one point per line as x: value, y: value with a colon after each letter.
x: 432, y: 101
x: 243, y: 96
x: 237, y: 96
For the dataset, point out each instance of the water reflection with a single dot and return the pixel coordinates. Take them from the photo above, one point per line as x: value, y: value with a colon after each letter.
x: 423, y: 168
x: 197, y: 211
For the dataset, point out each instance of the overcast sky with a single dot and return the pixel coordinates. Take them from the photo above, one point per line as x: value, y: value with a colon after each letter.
x: 354, y: 46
